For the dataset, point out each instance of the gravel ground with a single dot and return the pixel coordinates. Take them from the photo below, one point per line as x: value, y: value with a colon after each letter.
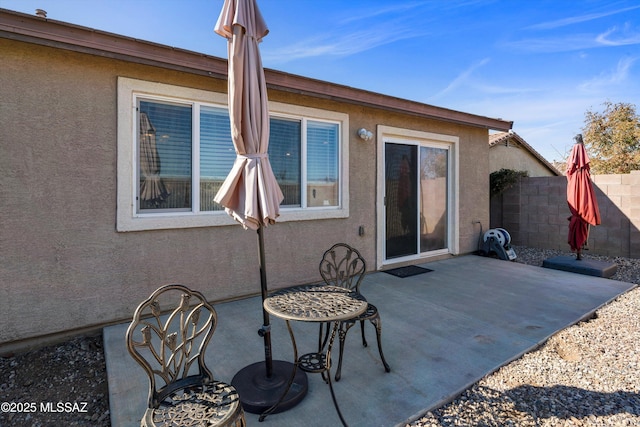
x: 586, y: 375
x: 55, y: 386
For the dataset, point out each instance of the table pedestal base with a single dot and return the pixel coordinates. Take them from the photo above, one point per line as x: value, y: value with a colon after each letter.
x: 259, y: 393
x: 313, y: 362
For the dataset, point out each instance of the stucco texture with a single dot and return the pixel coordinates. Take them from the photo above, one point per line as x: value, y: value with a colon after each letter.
x: 517, y: 158
x: 64, y: 265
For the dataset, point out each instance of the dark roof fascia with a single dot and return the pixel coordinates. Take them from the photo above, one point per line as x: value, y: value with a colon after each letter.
x: 48, y: 32
x: 43, y: 31
x: 321, y: 89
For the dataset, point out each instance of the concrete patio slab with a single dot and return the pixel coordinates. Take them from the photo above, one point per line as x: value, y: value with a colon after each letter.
x: 442, y: 332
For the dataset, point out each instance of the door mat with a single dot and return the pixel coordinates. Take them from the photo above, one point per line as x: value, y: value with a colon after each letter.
x: 408, y: 271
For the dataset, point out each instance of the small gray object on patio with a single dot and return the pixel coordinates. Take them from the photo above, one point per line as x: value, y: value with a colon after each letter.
x: 590, y: 267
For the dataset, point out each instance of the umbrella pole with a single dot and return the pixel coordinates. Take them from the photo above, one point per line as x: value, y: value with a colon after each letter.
x: 269, y: 385
x: 265, y: 331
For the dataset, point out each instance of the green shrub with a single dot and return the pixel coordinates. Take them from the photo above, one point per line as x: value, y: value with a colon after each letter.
x: 504, y: 179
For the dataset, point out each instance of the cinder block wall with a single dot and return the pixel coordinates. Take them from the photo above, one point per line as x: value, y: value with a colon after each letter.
x: 535, y: 213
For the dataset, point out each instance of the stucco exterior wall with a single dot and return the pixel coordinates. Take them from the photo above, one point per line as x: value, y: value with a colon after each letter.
x: 64, y: 265
x: 474, y: 189
x: 516, y: 158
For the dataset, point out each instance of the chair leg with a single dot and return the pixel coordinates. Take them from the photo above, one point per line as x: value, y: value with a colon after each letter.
x: 344, y: 328
x: 364, y: 340
x: 377, y: 323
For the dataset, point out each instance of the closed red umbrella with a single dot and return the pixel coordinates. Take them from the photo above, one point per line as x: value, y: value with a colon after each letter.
x: 581, y: 197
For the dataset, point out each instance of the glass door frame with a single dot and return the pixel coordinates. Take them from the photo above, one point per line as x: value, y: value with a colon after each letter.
x: 387, y: 134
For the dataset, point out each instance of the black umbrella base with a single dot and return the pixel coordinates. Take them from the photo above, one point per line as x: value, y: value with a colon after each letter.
x: 590, y: 267
x: 259, y: 393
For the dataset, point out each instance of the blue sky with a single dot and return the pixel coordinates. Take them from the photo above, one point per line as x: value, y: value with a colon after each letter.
x: 541, y: 64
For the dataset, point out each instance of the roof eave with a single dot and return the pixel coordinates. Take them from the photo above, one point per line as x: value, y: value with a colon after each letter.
x: 321, y: 89
x: 33, y: 29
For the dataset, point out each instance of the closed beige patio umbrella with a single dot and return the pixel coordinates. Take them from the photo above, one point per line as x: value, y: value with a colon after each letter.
x: 152, y: 189
x: 250, y: 193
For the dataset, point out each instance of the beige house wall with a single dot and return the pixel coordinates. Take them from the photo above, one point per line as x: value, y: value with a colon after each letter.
x: 65, y: 268
x: 516, y: 158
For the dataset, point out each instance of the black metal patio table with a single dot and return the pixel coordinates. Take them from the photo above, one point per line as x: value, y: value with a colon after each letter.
x: 314, y: 303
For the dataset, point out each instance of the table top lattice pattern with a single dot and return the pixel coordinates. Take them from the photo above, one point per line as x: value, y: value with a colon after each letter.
x: 315, y: 303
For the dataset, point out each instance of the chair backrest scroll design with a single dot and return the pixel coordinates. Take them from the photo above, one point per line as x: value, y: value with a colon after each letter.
x: 171, y: 346
x: 343, y: 266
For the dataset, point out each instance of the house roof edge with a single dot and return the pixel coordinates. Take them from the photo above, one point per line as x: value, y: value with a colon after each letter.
x: 35, y: 29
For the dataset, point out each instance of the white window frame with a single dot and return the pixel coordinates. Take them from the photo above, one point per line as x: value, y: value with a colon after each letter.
x: 127, y: 217
x: 419, y: 138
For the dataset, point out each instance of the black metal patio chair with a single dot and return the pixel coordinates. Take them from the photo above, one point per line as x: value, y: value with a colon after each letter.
x: 168, y: 337
x: 343, y: 266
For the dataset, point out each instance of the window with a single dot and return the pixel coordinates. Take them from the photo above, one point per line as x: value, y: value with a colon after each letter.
x: 318, y: 185
x: 175, y: 150
x: 166, y: 153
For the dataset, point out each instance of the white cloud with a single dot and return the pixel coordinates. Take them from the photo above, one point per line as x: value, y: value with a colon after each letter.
x: 571, y: 20
x: 360, y: 31
x: 555, y: 44
x: 610, y: 78
x: 371, y: 12
x: 623, y: 35
x: 337, y: 44
x: 611, y: 38
x: 461, y: 79
x: 547, y: 119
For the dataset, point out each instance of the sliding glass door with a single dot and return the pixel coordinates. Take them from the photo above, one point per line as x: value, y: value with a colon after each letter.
x: 416, y: 199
